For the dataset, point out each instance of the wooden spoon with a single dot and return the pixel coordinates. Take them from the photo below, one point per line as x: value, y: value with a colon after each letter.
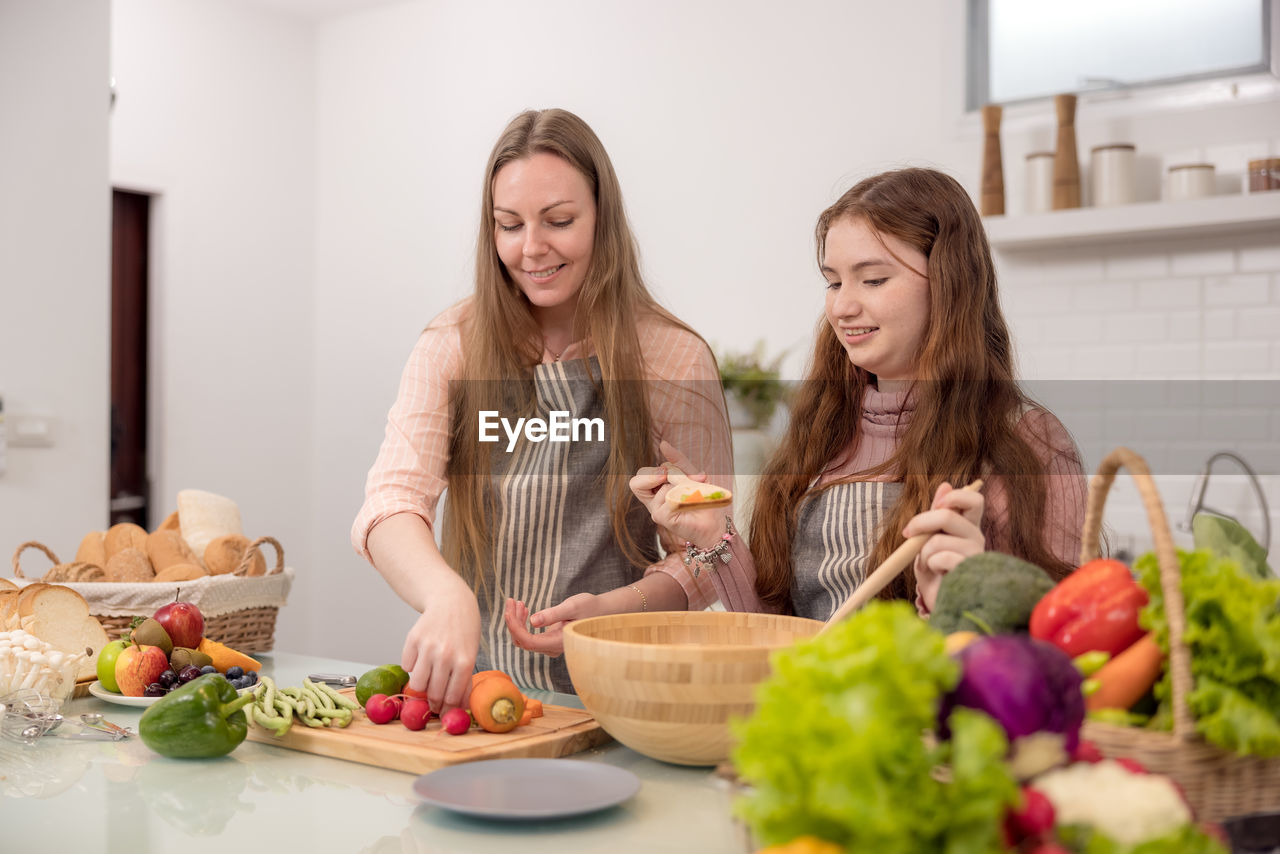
x: 893, y: 565
x: 682, y: 488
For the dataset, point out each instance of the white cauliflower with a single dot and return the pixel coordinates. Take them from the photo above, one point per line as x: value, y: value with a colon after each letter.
x: 1128, y: 807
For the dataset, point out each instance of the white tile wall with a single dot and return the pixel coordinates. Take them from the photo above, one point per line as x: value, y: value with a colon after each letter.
x: 1178, y: 343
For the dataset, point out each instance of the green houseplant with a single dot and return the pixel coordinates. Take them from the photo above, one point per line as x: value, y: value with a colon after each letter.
x: 753, y: 382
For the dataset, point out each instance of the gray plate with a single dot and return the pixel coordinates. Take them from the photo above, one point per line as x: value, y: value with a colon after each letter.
x: 527, y: 788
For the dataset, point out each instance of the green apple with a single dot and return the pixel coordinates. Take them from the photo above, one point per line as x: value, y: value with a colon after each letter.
x: 107, y: 665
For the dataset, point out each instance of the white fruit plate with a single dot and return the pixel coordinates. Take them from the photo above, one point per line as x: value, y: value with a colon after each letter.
x: 100, y: 691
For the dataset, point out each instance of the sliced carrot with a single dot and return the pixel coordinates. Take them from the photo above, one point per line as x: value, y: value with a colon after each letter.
x: 534, y: 706
x: 526, y: 717
x: 1124, y: 680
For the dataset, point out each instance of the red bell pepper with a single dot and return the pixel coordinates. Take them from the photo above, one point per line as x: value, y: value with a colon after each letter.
x: 1094, y: 608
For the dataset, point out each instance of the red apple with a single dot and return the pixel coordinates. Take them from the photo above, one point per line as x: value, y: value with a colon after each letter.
x: 184, y: 623
x: 139, y: 666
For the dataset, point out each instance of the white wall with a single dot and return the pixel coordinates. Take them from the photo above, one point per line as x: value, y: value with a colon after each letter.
x: 55, y: 207
x: 318, y: 197
x: 216, y: 117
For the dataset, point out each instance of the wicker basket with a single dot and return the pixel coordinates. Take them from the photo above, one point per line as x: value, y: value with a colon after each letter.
x: 247, y: 627
x: 1218, y: 784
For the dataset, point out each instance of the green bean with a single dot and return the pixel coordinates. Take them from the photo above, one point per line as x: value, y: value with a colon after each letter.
x: 321, y: 698
x: 268, y: 701
x: 278, y: 726
x: 341, y: 700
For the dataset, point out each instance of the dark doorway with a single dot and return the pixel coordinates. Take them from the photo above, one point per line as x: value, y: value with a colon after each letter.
x: 130, y: 484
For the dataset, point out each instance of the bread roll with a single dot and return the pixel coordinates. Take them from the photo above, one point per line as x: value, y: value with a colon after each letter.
x: 129, y: 565
x: 180, y: 572
x: 93, y: 548
x: 167, y: 548
x: 170, y: 523
x: 205, y: 516
x: 124, y: 535
x: 6, y: 584
x: 225, y: 553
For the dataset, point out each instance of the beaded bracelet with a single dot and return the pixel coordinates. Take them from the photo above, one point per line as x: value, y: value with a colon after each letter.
x: 697, y: 558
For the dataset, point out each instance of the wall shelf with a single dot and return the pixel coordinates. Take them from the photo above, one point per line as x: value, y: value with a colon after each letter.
x: 1144, y: 221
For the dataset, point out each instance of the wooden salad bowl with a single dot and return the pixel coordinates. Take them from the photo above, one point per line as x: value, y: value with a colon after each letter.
x: 667, y: 684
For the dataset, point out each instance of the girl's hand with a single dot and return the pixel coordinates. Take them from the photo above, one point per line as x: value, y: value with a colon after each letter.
x: 440, y: 650
x: 702, y: 527
x: 552, y: 620
x: 954, y: 521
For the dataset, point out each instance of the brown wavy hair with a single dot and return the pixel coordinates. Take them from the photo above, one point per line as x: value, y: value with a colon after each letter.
x: 967, y: 403
x: 501, y: 344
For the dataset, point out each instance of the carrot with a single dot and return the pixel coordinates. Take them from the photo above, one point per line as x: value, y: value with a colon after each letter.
x: 497, y: 704
x: 534, y: 705
x: 477, y: 678
x: 1124, y: 680
x: 526, y: 717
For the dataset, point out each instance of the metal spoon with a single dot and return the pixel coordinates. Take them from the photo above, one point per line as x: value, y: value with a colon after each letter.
x: 94, y: 719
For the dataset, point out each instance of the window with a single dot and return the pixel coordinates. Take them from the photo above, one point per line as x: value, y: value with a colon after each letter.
x: 1021, y: 50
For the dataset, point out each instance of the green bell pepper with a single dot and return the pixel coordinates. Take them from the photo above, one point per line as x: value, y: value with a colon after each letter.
x: 199, y: 720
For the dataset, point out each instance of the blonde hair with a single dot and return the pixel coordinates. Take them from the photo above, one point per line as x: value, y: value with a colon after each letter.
x: 502, y: 344
x: 967, y: 403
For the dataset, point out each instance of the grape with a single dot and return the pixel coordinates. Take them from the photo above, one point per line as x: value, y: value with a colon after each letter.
x: 155, y: 689
x: 168, y: 679
x: 188, y: 673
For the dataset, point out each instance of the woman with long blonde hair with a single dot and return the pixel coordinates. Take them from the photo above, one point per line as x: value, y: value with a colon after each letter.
x: 533, y: 401
x: 910, y: 391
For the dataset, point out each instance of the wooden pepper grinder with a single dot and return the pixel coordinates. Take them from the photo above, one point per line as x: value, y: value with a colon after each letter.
x: 992, y: 196
x: 1066, y: 163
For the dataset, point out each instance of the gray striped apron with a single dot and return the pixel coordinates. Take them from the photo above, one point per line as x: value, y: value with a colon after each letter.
x: 553, y: 536
x: 836, y: 531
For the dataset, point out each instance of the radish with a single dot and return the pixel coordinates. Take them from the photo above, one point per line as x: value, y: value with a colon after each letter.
x: 415, y: 712
x: 456, y: 721
x: 382, y: 709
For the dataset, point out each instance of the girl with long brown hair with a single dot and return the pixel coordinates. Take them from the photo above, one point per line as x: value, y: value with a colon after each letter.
x: 911, y: 390
x: 561, y: 333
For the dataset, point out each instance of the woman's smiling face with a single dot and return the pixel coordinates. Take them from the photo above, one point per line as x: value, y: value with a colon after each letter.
x: 544, y: 227
x: 877, y: 304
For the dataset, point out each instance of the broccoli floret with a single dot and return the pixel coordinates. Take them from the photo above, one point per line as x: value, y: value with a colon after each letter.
x: 989, y: 593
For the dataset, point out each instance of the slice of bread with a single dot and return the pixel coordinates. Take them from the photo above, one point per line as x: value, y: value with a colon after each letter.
x: 204, y: 516
x: 60, y: 616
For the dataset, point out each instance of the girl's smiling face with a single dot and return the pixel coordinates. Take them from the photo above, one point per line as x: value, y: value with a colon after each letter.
x: 877, y: 299
x: 544, y: 227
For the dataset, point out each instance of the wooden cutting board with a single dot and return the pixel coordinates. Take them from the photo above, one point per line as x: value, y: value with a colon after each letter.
x: 560, y: 731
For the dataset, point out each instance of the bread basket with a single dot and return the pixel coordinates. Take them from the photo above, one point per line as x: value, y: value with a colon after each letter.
x: 239, y: 610
x: 1217, y: 783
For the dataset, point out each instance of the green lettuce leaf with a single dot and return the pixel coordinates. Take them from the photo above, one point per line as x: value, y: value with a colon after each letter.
x: 1233, y: 634
x: 1228, y: 538
x: 835, y: 747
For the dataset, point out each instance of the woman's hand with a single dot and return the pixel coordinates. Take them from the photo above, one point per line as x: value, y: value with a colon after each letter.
x: 954, y: 523
x: 552, y: 620
x: 440, y: 650
x: 702, y: 527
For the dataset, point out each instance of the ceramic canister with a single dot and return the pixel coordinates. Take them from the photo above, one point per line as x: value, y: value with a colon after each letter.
x: 1039, y: 181
x: 1189, y: 181
x: 1111, y: 175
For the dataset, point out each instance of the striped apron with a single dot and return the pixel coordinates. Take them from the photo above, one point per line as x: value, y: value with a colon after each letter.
x: 553, y: 536
x: 836, y: 531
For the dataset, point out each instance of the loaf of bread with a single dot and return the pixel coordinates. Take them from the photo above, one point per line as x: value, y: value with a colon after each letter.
x: 75, y: 571
x: 60, y: 616
x: 93, y: 548
x: 124, y: 535
x: 129, y: 565
x: 204, y: 517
